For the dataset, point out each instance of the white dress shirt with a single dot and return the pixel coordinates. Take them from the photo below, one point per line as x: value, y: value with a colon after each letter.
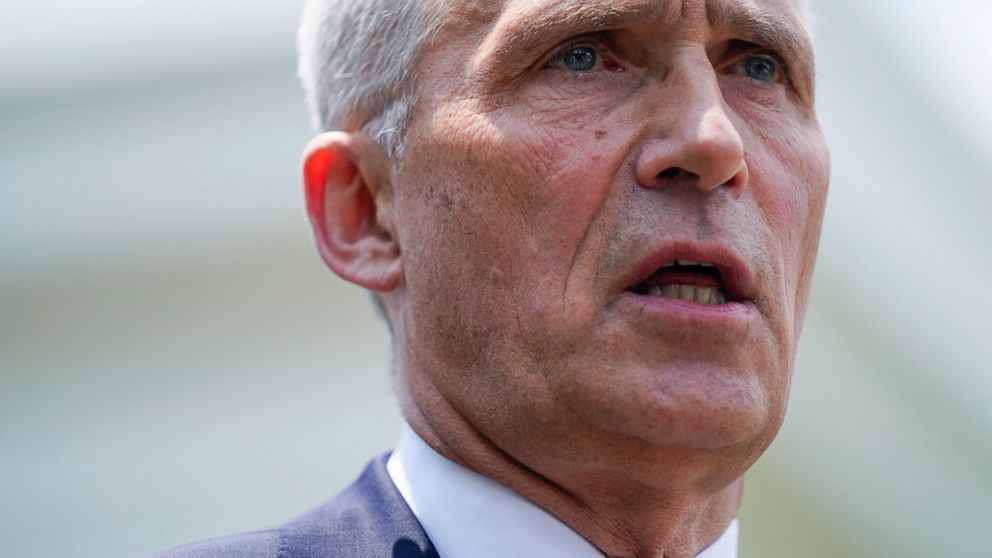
x: 468, y: 515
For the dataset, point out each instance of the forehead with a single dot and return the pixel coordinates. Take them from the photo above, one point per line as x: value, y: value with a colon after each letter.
x: 470, y: 17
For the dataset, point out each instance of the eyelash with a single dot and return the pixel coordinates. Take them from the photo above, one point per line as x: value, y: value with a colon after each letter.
x: 605, y: 57
x: 602, y: 51
x: 765, y: 54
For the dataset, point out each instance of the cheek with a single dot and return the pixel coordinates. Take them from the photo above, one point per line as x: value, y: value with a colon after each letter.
x: 487, y: 204
x: 523, y: 186
x: 790, y: 174
x: 501, y: 205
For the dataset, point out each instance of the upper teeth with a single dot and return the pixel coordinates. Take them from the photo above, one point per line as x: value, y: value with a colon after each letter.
x: 688, y: 262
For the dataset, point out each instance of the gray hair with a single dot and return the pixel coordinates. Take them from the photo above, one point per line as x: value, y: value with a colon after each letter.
x: 356, y: 63
x: 807, y: 14
x: 357, y: 59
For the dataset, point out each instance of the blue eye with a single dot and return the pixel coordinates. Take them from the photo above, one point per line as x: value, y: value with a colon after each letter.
x: 579, y: 59
x: 761, y: 68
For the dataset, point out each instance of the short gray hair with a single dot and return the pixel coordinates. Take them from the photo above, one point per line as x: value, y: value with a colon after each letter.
x: 357, y: 59
x: 356, y: 63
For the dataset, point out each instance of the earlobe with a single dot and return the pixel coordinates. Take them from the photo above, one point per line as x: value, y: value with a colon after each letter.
x: 343, y: 177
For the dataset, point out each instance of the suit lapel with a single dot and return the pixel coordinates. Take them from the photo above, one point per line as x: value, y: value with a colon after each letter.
x: 369, y: 519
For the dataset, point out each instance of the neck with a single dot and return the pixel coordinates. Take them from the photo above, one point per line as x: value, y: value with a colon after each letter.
x: 617, y: 513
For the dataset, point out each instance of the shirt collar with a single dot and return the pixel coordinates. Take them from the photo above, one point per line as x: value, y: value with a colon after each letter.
x: 468, y: 515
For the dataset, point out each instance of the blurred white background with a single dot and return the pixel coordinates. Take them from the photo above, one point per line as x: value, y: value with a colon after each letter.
x: 176, y: 363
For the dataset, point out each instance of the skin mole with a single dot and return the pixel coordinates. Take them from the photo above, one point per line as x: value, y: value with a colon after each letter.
x: 446, y: 201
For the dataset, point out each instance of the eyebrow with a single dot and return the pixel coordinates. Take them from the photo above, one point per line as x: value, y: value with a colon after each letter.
x: 767, y: 29
x: 516, y: 42
x: 551, y: 21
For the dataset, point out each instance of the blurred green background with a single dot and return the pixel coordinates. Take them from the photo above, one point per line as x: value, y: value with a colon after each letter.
x: 176, y: 363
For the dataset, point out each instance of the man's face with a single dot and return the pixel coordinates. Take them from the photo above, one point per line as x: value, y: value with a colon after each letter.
x: 562, y: 156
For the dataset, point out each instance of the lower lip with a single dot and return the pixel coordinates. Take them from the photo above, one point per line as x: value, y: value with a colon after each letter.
x: 727, y: 315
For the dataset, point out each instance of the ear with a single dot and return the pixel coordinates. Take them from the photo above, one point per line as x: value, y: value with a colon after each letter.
x: 346, y: 176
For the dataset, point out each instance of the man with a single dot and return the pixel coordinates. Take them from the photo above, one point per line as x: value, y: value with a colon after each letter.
x: 591, y: 226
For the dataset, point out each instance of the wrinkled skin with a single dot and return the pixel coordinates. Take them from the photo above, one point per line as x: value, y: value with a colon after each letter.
x: 526, y: 197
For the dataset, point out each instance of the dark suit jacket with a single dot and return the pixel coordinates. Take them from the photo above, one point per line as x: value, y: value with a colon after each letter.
x: 369, y: 519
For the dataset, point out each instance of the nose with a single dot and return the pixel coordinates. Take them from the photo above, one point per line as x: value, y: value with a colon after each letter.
x: 694, y: 142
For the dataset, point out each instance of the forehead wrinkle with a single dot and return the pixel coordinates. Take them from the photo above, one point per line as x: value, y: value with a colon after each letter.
x: 576, y: 14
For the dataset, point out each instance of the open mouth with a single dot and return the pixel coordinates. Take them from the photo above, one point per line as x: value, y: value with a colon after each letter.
x: 691, y: 281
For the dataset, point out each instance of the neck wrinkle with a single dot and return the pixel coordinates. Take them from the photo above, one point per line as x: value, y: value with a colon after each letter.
x: 640, y: 523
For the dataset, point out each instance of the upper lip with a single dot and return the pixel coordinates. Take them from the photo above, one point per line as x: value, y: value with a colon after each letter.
x: 735, y: 274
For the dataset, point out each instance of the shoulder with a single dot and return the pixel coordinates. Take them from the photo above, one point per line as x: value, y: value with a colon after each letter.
x: 257, y: 544
x: 368, y: 519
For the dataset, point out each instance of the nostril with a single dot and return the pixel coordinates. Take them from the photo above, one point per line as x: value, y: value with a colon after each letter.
x: 672, y: 173
x: 738, y: 182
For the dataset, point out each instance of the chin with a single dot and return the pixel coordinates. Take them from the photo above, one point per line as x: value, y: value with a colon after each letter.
x: 692, y: 406
x: 704, y: 427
